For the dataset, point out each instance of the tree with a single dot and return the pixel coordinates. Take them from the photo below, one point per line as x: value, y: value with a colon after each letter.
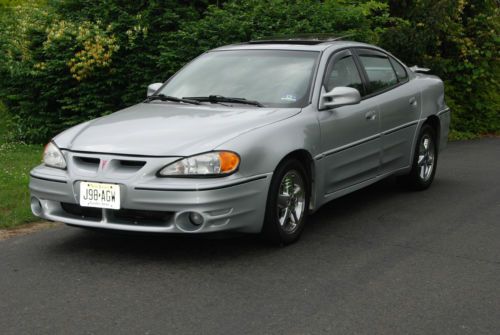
x: 458, y: 40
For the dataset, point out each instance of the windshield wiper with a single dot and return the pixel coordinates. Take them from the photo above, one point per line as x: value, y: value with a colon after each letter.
x: 220, y: 98
x: 164, y: 97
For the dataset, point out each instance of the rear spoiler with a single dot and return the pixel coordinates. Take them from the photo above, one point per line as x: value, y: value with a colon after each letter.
x: 415, y: 68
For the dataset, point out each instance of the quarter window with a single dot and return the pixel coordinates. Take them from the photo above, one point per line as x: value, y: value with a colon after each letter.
x: 380, y: 72
x: 344, y: 74
x: 400, y: 70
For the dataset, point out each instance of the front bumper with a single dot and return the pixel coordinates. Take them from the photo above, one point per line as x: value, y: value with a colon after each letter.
x: 236, y: 204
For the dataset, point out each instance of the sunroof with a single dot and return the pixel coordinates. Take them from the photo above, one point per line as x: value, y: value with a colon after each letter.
x: 306, y: 39
x: 289, y: 41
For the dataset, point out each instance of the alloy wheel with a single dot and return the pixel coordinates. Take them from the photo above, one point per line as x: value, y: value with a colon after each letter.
x: 291, y: 201
x: 426, y: 157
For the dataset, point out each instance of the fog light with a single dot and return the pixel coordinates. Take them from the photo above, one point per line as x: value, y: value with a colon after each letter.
x: 196, y: 218
x: 36, y: 206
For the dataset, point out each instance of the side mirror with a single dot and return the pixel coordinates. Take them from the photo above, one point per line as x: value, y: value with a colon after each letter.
x: 338, y: 96
x: 153, y: 88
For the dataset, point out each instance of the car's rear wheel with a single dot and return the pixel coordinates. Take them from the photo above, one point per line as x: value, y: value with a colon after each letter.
x: 287, y: 203
x: 424, y: 160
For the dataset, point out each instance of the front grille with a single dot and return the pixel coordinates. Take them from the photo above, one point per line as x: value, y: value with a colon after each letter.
x: 88, y: 164
x: 138, y: 164
x: 121, y: 216
x: 89, y: 160
x: 82, y: 212
x: 142, y: 217
x: 116, y: 166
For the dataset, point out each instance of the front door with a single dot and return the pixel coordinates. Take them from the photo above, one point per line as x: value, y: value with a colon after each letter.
x: 350, y: 139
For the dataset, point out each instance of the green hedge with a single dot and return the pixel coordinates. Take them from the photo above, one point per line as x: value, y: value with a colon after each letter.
x: 64, y: 62
x: 459, y: 41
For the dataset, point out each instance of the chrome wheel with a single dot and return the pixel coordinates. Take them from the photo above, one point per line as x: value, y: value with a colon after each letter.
x: 291, y: 201
x: 426, y: 158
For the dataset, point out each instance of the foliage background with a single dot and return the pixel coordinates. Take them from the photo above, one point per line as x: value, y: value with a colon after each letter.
x: 67, y: 61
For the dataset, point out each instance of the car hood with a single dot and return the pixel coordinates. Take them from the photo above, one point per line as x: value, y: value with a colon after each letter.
x: 167, y: 129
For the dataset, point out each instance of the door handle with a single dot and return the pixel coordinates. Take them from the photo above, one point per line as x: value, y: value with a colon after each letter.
x: 413, y: 101
x: 371, y: 115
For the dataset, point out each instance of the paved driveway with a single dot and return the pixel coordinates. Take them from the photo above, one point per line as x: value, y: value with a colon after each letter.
x: 379, y: 261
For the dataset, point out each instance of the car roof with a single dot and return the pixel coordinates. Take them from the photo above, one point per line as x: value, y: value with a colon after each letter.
x: 293, y: 44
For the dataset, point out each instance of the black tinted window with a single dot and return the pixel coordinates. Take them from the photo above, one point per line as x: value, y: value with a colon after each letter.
x: 400, y: 70
x: 344, y: 73
x: 380, y: 72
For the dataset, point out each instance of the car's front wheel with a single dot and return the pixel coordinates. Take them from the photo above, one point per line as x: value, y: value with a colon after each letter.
x: 287, y: 203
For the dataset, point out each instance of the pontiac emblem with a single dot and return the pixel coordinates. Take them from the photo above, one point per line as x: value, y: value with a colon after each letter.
x: 104, y: 163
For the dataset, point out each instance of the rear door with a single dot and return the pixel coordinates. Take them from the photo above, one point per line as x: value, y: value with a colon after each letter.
x: 350, y: 140
x: 389, y: 87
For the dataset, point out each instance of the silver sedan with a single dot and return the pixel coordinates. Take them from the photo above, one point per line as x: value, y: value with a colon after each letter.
x: 248, y: 138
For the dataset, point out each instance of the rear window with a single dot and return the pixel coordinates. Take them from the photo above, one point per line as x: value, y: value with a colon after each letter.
x: 380, y: 72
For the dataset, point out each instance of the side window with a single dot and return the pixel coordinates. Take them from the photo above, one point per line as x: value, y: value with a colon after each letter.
x: 380, y: 73
x: 344, y: 73
x: 400, y: 70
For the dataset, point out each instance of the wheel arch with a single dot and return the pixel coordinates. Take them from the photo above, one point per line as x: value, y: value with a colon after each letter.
x: 305, y: 158
x: 435, y: 123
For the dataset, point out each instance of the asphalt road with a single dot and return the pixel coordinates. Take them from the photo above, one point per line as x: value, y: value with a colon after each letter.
x: 379, y: 261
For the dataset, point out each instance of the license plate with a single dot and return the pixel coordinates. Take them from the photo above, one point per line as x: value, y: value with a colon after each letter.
x: 99, y: 195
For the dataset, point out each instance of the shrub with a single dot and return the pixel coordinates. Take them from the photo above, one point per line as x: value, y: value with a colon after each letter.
x: 74, y: 61
x: 246, y: 20
x: 458, y: 40
x: 5, y: 125
x: 64, y: 62
x: 82, y: 59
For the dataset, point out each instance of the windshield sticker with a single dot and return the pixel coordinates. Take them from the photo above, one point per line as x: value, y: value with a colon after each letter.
x: 289, y: 98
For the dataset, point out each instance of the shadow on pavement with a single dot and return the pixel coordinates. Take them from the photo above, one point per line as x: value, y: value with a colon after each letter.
x: 329, y: 221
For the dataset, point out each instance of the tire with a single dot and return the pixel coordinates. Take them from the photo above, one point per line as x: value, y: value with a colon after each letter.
x: 425, y: 160
x: 287, y: 203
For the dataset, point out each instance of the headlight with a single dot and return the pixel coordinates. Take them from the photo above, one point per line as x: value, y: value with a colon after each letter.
x: 53, y: 157
x: 211, y: 164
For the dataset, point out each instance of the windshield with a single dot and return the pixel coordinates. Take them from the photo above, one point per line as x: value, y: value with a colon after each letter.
x: 275, y: 78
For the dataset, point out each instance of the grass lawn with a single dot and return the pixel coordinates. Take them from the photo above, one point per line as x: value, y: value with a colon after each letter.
x: 16, y: 160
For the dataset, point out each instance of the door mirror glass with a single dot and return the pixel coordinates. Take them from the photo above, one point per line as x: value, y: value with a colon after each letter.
x: 153, y: 88
x: 339, y: 96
